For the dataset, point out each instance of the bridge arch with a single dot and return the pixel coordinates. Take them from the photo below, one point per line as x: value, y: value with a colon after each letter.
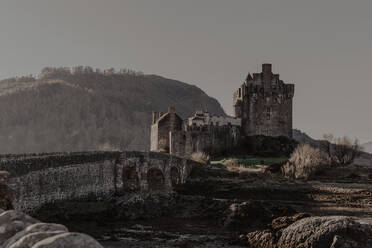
x: 175, y: 176
x: 130, y: 179
x: 155, y: 179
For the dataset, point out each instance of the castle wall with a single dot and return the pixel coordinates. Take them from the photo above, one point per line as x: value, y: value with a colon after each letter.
x: 160, y: 129
x: 209, y: 139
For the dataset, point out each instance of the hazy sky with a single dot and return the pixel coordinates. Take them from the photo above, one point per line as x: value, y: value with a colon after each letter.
x: 323, y: 46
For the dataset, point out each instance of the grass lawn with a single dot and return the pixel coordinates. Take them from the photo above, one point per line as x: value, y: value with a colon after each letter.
x: 250, y: 162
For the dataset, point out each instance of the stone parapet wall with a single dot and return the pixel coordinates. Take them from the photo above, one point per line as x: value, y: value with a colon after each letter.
x: 37, y: 180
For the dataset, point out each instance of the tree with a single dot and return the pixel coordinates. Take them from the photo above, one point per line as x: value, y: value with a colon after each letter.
x: 342, y: 150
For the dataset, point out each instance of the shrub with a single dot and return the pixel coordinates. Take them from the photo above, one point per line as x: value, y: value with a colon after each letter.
x: 342, y: 150
x: 200, y: 157
x: 305, y: 161
x: 232, y: 162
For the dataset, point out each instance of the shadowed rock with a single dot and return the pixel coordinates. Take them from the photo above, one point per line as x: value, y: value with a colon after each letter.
x: 38, y: 227
x: 71, y: 240
x: 11, y: 222
x: 252, y: 214
x: 30, y: 239
x: 326, y: 232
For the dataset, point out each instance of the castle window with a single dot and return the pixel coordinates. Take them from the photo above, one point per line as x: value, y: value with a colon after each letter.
x: 240, y: 92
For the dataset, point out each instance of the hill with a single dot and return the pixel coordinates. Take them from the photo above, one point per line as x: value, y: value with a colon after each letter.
x: 86, y: 109
x: 367, y: 147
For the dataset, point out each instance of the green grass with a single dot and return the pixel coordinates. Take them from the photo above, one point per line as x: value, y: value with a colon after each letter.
x: 249, y: 162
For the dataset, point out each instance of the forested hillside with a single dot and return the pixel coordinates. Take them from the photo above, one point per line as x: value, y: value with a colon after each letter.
x: 85, y: 109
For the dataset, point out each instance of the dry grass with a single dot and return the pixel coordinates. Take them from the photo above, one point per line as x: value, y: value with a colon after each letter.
x: 233, y: 164
x: 305, y: 161
x: 200, y: 157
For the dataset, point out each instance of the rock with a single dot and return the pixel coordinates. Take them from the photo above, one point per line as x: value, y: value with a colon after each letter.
x: 283, y: 222
x: 326, y: 232
x: 261, y: 239
x: 243, y: 216
x: 134, y: 206
x: 339, y: 242
x: 38, y: 227
x: 68, y: 240
x: 30, y: 239
x: 11, y: 222
x: 141, y: 227
x: 353, y: 176
x: 6, y: 193
x: 252, y: 214
x: 275, y: 168
x: 4, y: 177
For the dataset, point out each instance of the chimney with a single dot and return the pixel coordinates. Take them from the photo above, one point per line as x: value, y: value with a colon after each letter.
x: 266, y: 68
x: 266, y: 74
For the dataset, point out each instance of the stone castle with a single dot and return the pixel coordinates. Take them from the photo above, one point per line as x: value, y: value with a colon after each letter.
x: 262, y: 106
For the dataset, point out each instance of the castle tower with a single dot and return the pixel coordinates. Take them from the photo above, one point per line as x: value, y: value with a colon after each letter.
x: 264, y: 103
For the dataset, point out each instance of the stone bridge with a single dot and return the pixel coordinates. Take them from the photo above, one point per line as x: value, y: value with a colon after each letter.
x: 38, y: 179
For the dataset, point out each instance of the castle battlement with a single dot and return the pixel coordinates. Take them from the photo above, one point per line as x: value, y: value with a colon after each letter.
x: 202, y: 118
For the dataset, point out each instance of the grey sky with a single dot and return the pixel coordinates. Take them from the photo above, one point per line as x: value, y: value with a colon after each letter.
x: 323, y: 46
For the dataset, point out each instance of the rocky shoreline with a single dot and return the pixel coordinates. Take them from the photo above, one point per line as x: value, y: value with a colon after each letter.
x: 219, y: 208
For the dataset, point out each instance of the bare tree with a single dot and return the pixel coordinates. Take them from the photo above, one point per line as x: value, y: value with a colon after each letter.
x: 342, y: 150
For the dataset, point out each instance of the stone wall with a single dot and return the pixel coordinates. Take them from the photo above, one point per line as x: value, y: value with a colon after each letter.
x: 45, y: 178
x: 213, y: 140
x: 163, y: 123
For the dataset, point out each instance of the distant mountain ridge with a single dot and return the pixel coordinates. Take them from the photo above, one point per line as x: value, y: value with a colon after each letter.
x: 84, y: 109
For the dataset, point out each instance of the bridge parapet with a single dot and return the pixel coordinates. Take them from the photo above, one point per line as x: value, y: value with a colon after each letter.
x: 46, y: 178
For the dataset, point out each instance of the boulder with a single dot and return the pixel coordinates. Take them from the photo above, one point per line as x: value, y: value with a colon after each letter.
x: 283, y: 222
x: 30, y: 239
x: 250, y: 215
x: 68, y: 240
x: 260, y: 239
x: 326, y: 232
x: 11, y: 222
x: 38, y: 227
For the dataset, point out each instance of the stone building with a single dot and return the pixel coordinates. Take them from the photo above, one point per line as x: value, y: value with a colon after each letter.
x: 262, y: 106
x: 201, y: 133
x: 264, y: 103
x: 162, y: 125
